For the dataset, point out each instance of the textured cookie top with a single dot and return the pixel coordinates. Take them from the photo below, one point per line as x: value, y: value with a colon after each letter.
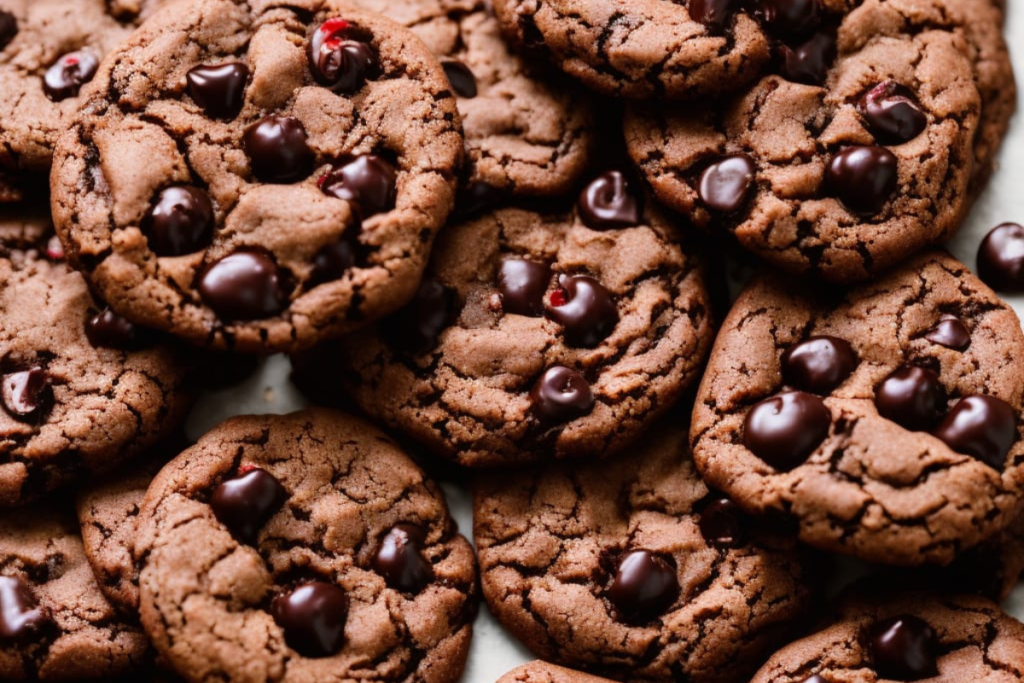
x: 542, y: 672
x: 259, y: 177
x: 885, y: 420
x: 634, y: 569
x: 303, y: 547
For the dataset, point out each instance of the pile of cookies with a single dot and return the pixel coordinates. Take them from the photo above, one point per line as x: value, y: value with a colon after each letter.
x: 503, y: 235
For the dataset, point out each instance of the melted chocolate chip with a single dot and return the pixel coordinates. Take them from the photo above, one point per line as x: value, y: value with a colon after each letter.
x: 68, y: 74
x: 109, y: 330
x: 245, y: 285
x: 721, y: 523
x: 725, y: 185
x: 400, y: 560
x: 245, y: 503
x: 715, y: 14
x: 645, y: 586
x: 1001, y: 258
x: 818, y: 364
x: 809, y: 61
x: 332, y: 261
x: 417, y: 328
x: 584, y: 309
x: 950, y: 332
x: 313, y: 617
x: 609, y: 202
x: 561, y: 395
x: 339, y: 60
x: 785, y: 429
x: 368, y: 181
x: 904, y: 648
x: 461, y: 78
x: 522, y: 285
x: 21, y: 617
x: 892, y: 113
x: 219, y: 89
x: 863, y: 178
x: 912, y: 397
x: 278, y: 151
x: 790, y: 17
x: 27, y: 394
x: 8, y: 28
x: 179, y: 222
x: 984, y: 427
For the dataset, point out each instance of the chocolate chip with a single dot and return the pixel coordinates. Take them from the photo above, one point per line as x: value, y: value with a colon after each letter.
x: 809, y: 62
x: 892, y: 113
x: 1001, y: 258
x: 904, y: 648
x: 69, y: 73
x: 278, y: 151
x: 984, y: 427
x: 368, y: 181
x: 332, y: 261
x: 725, y: 185
x: 609, y: 202
x: 790, y: 18
x: 561, y: 395
x: 863, y: 177
x: 8, y: 28
x: 218, y: 89
x: 818, y: 364
x: 645, y: 586
x: 417, y: 328
x: 715, y: 14
x: 912, y: 397
x: 27, y: 394
x: 584, y: 309
x: 400, y: 560
x: 109, y: 330
x: 721, y: 523
x: 477, y: 197
x: 462, y: 80
x: 179, y: 222
x: 816, y: 678
x: 244, y: 285
x: 244, y: 504
x: 950, y: 332
x: 313, y: 617
x: 785, y: 429
x: 21, y: 617
x: 522, y: 285
x: 339, y: 60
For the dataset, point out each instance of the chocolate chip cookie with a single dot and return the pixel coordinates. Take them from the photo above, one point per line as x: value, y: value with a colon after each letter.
x: 884, y: 419
x: 259, y: 177
x: 632, y: 568
x: 303, y: 547
x: 542, y: 672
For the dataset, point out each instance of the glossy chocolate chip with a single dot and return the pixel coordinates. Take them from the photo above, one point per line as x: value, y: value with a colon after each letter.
x: 715, y: 14
x: 8, y: 28
x: 984, y: 427
x: 584, y: 309
x: 610, y: 202
x: 950, y: 332
x: 313, y: 617
x: 368, y: 181
x: 107, y: 329
x: 179, y: 222
x: 721, y: 523
x: 560, y: 395
x: 790, y: 18
x: 912, y: 397
x: 816, y: 678
x: 21, y: 617
x: 892, y: 113
x: 245, y: 285
x: 522, y: 285
x: 725, y: 185
x: 818, y: 364
x: 68, y: 74
x: 1001, y: 258
x: 785, y: 429
x: 863, y: 177
x: 245, y: 503
x: 417, y: 328
x: 27, y: 394
x: 332, y: 261
x: 400, y: 560
x: 218, y: 89
x: 809, y: 61
x: 645, y: 586
x: 339, y: 60
x: 460, y: 76
x: 904, y: 648
x: 278, y: 151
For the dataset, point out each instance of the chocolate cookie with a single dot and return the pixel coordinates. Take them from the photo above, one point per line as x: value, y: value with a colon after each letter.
x: 55, y: 623
x: 633, y: 569
x: 276, y: 181
x: 540, y: 335
x: 542, y: 672
x: 836, y: 169
x: 885, y: 419
x: 303, y: 547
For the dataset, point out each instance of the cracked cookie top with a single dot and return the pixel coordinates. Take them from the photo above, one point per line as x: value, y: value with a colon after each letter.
x: 884, y: 420
x: 634, y: 569
x: 303, y: 547
x: 542, y: 672
x: 258, y: 177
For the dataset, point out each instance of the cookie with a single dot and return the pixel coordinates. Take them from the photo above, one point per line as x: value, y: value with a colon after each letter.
x: 277, y: 182
x: 55, y: 623
x: 883, y: 419
x: 539, y: 335
x: 906, y: 638
x: 542, y: 672
x: 839, y: 180
x: 82, y: 389
x: 633, y: 569
x: 303, y: 547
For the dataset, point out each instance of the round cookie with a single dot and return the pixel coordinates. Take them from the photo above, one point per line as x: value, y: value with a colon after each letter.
x: 303, y: 547
x: 542, y: 672
x: 259, y: 178
x: 55, y: 623
x: 885, y: 420
x: 633, y: 569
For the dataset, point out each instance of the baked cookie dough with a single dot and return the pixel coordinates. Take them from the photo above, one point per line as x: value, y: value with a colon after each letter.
x: 542, y: 672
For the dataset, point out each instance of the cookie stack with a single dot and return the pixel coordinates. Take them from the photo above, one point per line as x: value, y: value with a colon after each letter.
x: 504, y: 235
